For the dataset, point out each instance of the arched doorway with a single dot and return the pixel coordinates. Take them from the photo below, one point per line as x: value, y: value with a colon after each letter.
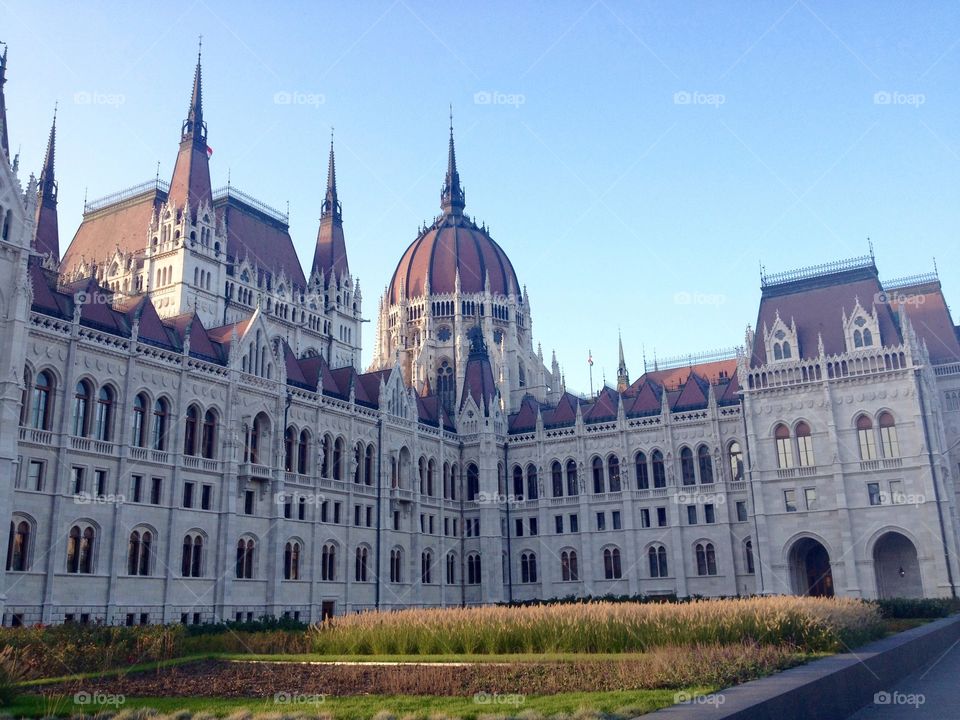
x: 810, y: 566
x: 896, y: 567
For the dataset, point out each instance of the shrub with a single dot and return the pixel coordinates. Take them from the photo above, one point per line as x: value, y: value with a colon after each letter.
x: 11, y: 673
x: 899, y: 608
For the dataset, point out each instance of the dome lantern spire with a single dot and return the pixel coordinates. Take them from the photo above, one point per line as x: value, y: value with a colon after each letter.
x: 452, y: 199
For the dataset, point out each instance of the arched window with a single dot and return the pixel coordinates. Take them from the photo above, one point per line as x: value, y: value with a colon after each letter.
x: 289, y: 440
x: 161, y: 416
x: 888, y: 435
x: 705, y: 463
x: 736, y: 461
x: 396, y: 565
x: 556, y: 477
x: 473, y: 482
x: 659, y: 469
x: 688, y: 474
x: 245, y: 550
x: 454, y: 481
x: 362, y: 569
x: 138, y: 552
x: 473, y: 570
x: 303, y: 452
x: 291, y: 560
x: 42, y: 402
x: 568, y: 566
x: 208, y: 440
x: 642, y: 472
x: 657, y: 557
x: 103, y: 425
x: 446, y: 386
x: 528, y: 567
x: 748, y: 555
x: 784, y: 451
x: 328, y: 456
x: 706, y: 559
x: 80, y: 548
x: 258, y: 443
x: 596, y: 466
x: 868, y: 443
x: 426, y: 567
x: 518, y: 482
x: 338, y: 459
x: 369, y: 470
x: 81, y: 409
x: 867, y: 337
x: 451, y: 569
x: 533, y: 486
x: 804, y: 445
x: 18, y: 546
x: 191, y: 421
x: 612, y: 569
x: 139, y: 430
x: 431, y: 472
x: 613, y: 473
x: 328, y: 562
x: 191, y: 558
x: 573, y: 483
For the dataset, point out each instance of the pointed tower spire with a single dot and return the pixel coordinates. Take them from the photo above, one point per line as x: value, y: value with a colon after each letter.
x: 4, y: 140
x: 452, y: 199
x: 623, y: 377
x: 191, y: 174
x: 47, y: 237
x: 330, y: 254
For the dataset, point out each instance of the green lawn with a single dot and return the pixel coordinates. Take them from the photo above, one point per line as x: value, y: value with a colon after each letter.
x: 624, y: 704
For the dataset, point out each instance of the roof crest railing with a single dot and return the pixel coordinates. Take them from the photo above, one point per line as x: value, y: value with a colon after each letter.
x: 813, y: 271
x: 909, y: 280
x: 125, y: 194
x: 228, y: 191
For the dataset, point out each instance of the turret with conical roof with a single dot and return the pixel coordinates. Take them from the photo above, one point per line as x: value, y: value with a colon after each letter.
x: 47, y: 237
x: 623, y: 377
x: 330, y: 254
x: 191, y: 174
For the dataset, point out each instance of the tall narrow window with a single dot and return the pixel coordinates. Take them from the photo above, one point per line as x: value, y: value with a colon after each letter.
x: 612, y: 569
x: 190, y: 423
x: 18, y: 546
x: 556, y: 477
x: 613, y: 473
x: 643, y: 473
x: 736, y: 461
x: 533, y: 486
x: 659, y: 469
x: 706, y: 465
x: 81, y: 409
x: 41, y: 402
x: 161, y: 414
x: 784, y: 452
x: 208, y: 439
x: 138, y: 435
x: 103, y: 425
x: 804, y: 445
x: 597, y: 467
x: 888, y: 436
x: 573, y: 484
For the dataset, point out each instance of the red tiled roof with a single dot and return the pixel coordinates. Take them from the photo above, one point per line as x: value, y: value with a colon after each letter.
x: 930, y: 317
x: 816, y: 305
x: 122, y: 226
x: 453, y: 244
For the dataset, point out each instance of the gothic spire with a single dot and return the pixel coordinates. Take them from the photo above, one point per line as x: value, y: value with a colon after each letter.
x: 47, y: 238
x: 191, y: 174
x: 623, y: 377
x: 330, y: 254
x: 452, y: 199
x: 331, y: 205
x: 4, y: 140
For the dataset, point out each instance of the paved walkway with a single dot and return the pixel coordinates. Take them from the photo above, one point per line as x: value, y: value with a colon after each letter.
x: 931, y: 692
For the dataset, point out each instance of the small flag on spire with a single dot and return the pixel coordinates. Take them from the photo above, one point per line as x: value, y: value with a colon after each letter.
x: 590, y: 358
x: 209, y: 151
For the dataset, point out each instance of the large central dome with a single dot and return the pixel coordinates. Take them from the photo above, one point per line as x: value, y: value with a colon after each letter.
x: 453, y: 245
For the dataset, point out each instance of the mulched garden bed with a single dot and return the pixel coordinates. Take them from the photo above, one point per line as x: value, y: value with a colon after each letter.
x: 662, y: 668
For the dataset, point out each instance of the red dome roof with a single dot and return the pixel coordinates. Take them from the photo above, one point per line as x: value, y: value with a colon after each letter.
x: 454, y: 244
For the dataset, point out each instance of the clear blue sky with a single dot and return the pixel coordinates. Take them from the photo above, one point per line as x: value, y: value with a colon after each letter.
x: 617, y: 201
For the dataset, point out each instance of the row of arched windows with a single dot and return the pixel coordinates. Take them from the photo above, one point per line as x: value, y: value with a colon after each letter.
x: 93, y: 411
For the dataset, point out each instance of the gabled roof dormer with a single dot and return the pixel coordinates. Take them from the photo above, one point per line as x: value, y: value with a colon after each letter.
x: 781, y: 340
x: 861, y: 329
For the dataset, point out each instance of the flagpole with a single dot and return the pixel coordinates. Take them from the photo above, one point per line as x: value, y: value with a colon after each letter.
x: 590, y: 363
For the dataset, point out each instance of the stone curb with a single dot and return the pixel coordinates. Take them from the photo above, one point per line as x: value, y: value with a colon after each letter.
x: 829, y: 689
